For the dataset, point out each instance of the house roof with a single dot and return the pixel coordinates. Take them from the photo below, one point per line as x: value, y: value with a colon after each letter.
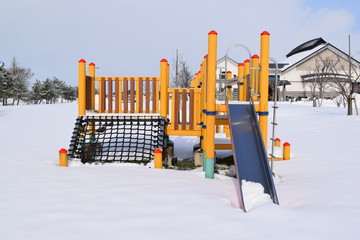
x: 303, y: 56
x: 228, y: 59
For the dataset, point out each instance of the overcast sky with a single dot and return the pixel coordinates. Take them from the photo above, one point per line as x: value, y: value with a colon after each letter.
x: 129, y: 38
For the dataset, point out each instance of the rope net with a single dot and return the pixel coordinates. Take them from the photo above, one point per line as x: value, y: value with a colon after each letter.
x: 116, y: 138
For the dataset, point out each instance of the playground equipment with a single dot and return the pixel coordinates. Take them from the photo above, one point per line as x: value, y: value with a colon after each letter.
x: 130, y: 119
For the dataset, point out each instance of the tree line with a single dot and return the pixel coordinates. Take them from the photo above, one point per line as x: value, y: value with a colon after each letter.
x: 15, y: 87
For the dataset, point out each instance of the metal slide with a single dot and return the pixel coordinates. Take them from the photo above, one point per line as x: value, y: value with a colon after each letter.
x: 251, y: 161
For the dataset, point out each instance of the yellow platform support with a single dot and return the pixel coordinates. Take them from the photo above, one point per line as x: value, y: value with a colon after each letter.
x: 264, y: 85
x: 164, y: 84
x: 241, y: 81
x: 255, y: 76
x: 82, y: 88
x: 246, y: 82
x: 92, y: 75
x: 211, y: 105
x: 228, y: 86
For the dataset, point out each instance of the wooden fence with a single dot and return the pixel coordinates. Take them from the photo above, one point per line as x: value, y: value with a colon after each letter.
x: 124, y: 94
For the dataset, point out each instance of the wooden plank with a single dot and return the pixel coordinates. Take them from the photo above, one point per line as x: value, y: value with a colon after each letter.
x: 248, y: 82
x: 153, y: 95
x: 102, y: 95
x: 88, y: 92
x: 110, y: 93
x: 183, y: 110
x: 176, y: 99
x: 120, y: 95
x: 132, y: 95
x: 191, y: 109
x: 137, y: 94
x: 126, y: 96
x: 172, y: 132
x: 141, y: 93
x: 117, y: 93
x: 147, y: 95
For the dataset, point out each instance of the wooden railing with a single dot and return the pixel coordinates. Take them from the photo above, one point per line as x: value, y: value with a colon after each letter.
x: 125, y: 94
x: 185, y: 111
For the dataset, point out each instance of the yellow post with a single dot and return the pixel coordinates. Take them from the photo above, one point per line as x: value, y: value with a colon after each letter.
x: 92, y: 75
x: 91, y: 71
x: 277, y: 142
x: 158, y: 158
x: 164, y: 83
x: 255, y: 76
x: 63, y: 158
x: 203, y: 81
x: 241, y: 81
x: 82, y: 88
x: 286, y: 151
x: 264, y: 85
x: 229, y: 87
x: 246, y: 72
x: 211, y: 104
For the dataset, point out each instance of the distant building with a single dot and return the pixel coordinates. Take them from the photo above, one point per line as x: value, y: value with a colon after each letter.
x: 299, y: 73
x: 303, y: 69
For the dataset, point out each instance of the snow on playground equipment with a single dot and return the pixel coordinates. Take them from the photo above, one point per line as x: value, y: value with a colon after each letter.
x: 126, y: 119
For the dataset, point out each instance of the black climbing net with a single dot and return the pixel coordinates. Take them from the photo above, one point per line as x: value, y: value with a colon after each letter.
x: 116, y: 138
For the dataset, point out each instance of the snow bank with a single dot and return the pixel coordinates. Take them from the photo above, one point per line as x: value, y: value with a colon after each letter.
x: 317, y: 189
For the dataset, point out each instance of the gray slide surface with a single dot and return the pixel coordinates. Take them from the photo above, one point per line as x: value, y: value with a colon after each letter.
x: 251, y: 161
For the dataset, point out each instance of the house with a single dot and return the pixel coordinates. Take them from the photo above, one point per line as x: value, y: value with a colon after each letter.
x: 309, y: 71
x: 313, y: 68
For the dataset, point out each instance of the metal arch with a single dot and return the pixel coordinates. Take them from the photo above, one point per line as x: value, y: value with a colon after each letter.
x: 226, y: 57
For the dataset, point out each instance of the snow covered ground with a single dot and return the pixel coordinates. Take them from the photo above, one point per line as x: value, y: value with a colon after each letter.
x: 318, y: 188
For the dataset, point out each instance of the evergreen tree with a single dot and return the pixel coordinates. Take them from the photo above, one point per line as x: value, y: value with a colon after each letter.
x: 48, y: 91
x: 20, y: 77
x: 36, y: 92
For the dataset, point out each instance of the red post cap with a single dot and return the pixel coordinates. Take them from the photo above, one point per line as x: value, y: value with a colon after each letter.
x: 63, y: 150
x: 199, y: 71
x: 246, y: 61
x: 228, y: 72
x: 240, y: 64
x: 212, y: 32
x: 206, y: 56
x: 163, y: 60
x: 265, y: 33
x: 158, y: 150
x: 286, y: 144
x: 278, y: 139
x: 92, y: 64
x: 82, y: 61
x: 255, y: 56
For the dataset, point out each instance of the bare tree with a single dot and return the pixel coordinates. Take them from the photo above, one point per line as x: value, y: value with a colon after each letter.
x: 345, y: 81
x: 176, y: 63
x: 319, y: 77
x: 182, y: 75
x: 312, y: 86
x: 185, y: 76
